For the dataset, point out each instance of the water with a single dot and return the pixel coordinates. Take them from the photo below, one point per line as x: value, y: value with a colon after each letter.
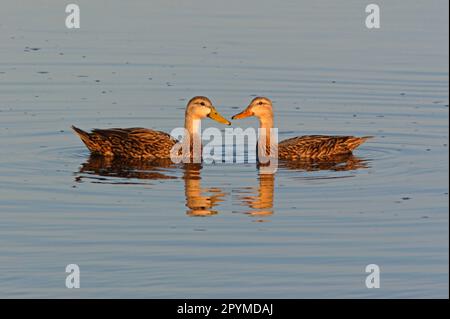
x: 223, y: 230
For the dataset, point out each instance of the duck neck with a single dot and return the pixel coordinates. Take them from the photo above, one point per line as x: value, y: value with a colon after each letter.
x: 193, y: 130
x: 265, y: 124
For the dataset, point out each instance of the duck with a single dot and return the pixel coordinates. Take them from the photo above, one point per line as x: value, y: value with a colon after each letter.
x: 314, y: 147
x: 148, y: 144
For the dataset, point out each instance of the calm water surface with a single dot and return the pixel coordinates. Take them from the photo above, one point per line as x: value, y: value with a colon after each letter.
x: 138, y: 230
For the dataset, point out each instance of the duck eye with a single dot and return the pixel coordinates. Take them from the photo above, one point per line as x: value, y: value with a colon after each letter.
x: 202, y: 103
x: 260, y: 103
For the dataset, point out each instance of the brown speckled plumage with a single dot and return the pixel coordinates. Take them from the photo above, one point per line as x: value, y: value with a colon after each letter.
x: 129, y: 142
x: 300, y: 147
x: 318, y: 146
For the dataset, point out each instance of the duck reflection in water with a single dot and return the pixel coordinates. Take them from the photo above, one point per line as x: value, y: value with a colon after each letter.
x: 259, y: 200
x: 202, y: 201
x: 103, y: 169
x: 199, y: 200
x: 336, y: 163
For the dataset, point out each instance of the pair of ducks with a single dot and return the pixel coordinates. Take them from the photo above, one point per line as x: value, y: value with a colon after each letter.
x: 154, y: 145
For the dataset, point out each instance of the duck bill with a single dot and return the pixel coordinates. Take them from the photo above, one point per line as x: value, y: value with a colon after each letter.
x: 242, y: 115
x: 214, y: 115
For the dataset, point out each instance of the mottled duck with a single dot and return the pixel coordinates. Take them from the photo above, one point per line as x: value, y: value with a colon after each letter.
x: 146, y: 143
x: 301, y: 147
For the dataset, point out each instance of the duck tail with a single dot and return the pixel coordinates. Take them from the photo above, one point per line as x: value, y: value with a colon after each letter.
x: 86, y: 138
x: 354, y: 142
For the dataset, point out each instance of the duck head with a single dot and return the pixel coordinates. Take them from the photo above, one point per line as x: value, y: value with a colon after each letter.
x: 200, y: 107
x: 261, y: 107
